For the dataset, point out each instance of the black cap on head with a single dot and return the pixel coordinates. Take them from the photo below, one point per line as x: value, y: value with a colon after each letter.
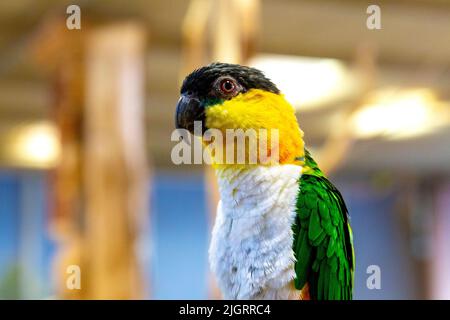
x: 200, y: 81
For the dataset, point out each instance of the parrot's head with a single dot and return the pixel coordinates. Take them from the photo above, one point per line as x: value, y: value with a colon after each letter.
x: 229, y: 96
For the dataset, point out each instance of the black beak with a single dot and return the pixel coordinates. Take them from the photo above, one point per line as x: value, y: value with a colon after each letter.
x: 190, y: 110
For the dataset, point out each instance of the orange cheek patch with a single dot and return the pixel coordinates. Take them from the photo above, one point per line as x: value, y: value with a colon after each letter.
x: 259, y: 109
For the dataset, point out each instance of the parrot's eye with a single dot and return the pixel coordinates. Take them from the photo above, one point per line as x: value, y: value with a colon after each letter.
x: 227, y: 86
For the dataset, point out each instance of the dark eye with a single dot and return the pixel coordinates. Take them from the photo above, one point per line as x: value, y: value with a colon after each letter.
x: 227, y: 86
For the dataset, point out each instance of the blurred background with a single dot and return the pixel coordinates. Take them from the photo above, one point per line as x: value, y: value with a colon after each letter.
x: 86, y: 117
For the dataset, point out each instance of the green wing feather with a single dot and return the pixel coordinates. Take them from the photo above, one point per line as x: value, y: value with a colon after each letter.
x: 322, y: 238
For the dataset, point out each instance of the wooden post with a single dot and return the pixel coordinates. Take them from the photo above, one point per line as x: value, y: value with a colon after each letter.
x: 235, y: 30
x: 99, y: 190
x: 61, y: 52
x: 439, y: 240
x: 115, y: 165
x: 194, y: 35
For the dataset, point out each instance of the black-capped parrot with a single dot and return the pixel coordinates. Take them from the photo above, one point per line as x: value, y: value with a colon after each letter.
x: 282, y: 229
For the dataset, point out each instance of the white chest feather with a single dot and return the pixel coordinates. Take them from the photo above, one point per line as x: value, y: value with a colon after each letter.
x: 251, y: 247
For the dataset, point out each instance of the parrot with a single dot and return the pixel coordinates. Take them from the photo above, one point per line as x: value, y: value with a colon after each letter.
x: 282, y: 229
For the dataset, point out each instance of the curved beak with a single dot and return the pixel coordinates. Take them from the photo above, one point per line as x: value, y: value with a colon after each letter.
x: 190, y: 110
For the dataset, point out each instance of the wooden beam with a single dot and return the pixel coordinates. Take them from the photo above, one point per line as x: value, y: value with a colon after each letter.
x: 99, y: 190
x: 115, y: 165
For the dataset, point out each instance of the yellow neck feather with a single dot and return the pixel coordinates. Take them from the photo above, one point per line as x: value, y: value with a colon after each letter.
x: 259, y: 109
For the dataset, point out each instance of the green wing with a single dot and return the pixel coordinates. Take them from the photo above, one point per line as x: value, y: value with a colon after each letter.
x: 322, y: 238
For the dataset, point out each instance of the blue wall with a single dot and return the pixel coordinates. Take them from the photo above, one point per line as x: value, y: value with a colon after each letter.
x: 9, y: 208
x: 180, y: 229
x: 177, y: 246
x: 379, y: 240
x: 25, y: 248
